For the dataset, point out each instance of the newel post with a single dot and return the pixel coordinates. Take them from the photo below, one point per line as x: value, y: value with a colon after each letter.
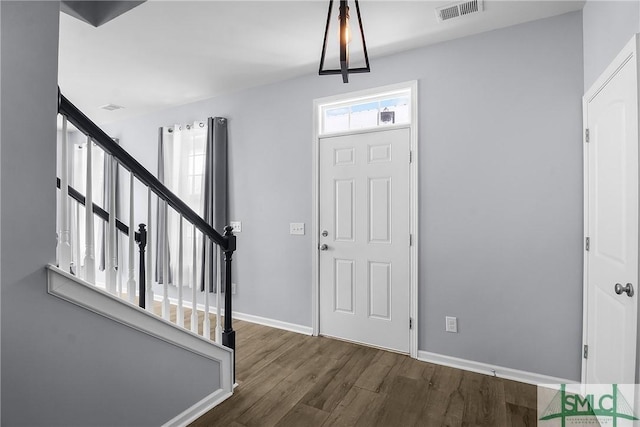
x: 142, y: 285
x: 228, y: 334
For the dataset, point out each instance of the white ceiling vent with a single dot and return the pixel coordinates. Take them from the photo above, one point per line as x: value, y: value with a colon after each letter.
x: 459, y: 9
x: 111, y: 107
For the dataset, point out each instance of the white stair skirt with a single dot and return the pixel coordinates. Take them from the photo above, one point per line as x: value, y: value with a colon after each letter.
x: 70, y: 288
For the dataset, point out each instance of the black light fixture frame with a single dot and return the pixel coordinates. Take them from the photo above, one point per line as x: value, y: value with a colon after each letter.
x: 344, y: 52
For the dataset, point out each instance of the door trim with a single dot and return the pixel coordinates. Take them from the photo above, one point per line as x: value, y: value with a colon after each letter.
x: 628, y: 53
x: 413, y: 201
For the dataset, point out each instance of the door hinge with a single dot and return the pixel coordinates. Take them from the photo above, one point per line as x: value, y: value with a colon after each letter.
x: 587, y: 244
x: 410, y: 239
x: 410, y: 156
x: 586, y: 135
x: 410, y: 323
x: 585, y: 351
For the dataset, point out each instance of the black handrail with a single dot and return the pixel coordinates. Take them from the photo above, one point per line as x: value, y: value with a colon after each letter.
x: 86, y: 126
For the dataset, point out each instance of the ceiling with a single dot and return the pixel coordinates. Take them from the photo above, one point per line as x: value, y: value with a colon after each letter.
x: 166, y: 53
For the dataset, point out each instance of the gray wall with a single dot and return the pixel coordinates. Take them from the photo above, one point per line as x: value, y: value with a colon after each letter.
x: 62, y: 365
x: 501, y: 204
x: 500, y: 190
x: 607, y: 27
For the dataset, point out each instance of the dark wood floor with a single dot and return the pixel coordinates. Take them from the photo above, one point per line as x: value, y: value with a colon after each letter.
x: 288, y: 379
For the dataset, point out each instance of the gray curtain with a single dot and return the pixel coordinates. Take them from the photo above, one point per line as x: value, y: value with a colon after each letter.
x: 106, y: 188
x: 215, y: 192
x: 161, y: 220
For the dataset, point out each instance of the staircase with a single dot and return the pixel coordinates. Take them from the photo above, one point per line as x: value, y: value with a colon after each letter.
x: 131, y: 302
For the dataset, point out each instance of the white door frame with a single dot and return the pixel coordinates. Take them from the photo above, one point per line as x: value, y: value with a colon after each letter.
x: 412, y: 86
x: 628, y: 53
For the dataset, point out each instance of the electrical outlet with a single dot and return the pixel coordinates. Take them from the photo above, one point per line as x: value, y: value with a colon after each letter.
x: 237, y: 226
x: 233, y: 288
x: 451, y: 324
x: 296, y: 228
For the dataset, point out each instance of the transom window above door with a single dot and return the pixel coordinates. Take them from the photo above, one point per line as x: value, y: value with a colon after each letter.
x: 366, y: 113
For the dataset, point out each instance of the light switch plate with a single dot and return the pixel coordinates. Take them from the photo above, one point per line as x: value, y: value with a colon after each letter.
x: 296, y: 228
x: 237, y: 226
x: 451, y: 324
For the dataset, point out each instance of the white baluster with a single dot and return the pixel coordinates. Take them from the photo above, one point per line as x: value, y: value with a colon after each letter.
x: 118, y: 271
x: 64, y: 244
x: 76, y: 243
x: 218, y: 299
x: 166, y: 308
x: 114, y: 231
x: 89, y: 254
x: 194, y: 294
x: 112, y: 264
x: 206, y: 327
x: 180, y: 312
x: 149, y: 292
x: 131, y: 283
x: 106, y: 251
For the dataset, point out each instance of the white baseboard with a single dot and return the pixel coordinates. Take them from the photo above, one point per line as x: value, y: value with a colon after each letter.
x: 292, y: 327
x: 199, y: 409
x: 491, y: 370
x: 278, y: 324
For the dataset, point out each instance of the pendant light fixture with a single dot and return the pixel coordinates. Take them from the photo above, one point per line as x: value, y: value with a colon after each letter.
x: 344, y: 38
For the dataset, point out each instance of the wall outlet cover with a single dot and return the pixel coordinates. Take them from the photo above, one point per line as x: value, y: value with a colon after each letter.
x: 296, y: 228
x: 237, y: 226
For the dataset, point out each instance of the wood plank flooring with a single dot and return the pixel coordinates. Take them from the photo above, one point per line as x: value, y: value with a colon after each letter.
x: 291, y: 380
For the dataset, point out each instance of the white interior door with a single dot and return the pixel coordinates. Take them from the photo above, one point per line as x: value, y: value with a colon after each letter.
x: 364, y: 238
x: 611, y: 223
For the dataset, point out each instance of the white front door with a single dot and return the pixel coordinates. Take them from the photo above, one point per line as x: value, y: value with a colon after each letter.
x: 611, y: 224
x: 364, y: 237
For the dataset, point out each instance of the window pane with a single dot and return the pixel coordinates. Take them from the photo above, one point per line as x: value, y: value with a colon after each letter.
x: 364, y: 115
x: 399, y: 106
x: 364, y: 119
x: 336, y: 120
x: 402, y: 113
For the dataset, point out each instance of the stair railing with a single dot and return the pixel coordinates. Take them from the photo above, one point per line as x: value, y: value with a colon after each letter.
x: 143, y: 237
x: 140, y: 238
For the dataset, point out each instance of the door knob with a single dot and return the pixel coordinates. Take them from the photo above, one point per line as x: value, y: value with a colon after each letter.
x: 324, y: 247
x: 628, y: 289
